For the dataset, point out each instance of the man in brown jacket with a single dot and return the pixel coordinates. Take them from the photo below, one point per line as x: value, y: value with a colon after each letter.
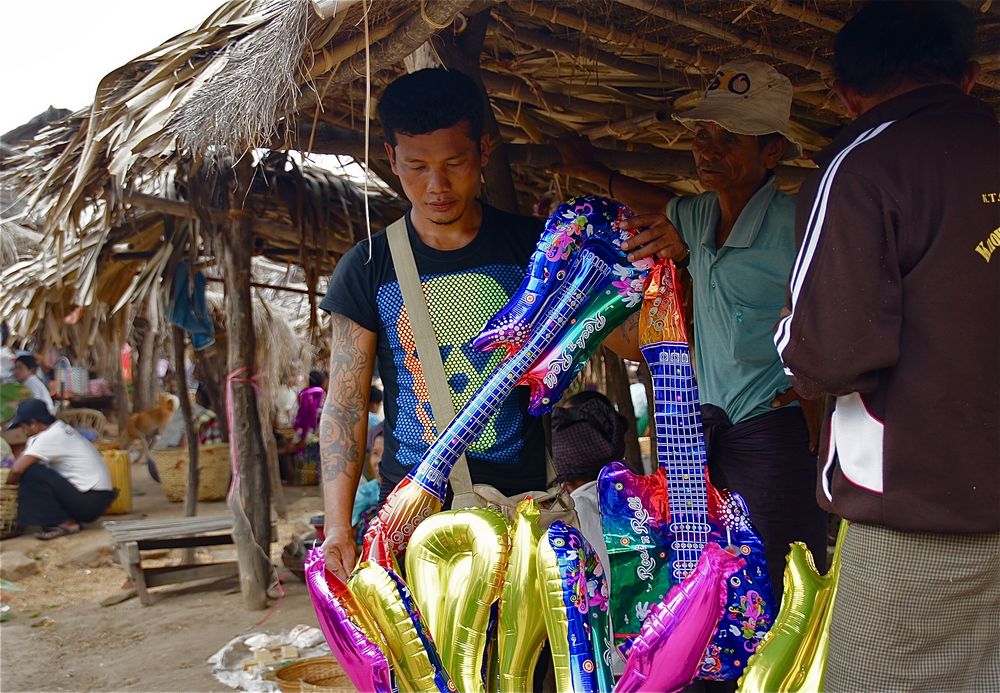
x: 894, y: 312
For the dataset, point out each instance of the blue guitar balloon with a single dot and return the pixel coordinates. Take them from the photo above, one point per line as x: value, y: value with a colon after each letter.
x: 697, y: 511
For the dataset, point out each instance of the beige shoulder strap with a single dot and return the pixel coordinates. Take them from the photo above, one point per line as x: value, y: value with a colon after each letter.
x: 427, y: 343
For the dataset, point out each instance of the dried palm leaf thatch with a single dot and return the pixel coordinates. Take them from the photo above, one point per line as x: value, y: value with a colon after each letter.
x: 276, y: 344
x: 256, y: 83
x: 17, y: 242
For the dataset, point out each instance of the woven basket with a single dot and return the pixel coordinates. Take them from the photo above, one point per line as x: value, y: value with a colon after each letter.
x: 8, y: 506
x: 313, y: 674
x: 214, y: 471
x: 305, y: 466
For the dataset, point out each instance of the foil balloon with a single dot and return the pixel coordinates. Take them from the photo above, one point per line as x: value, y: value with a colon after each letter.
x: 577, y: 260
x: 792, y: 656
x: 699, y: 513
x: 562, y: 571
x: 353, y: 637
x: 582, y: 222
x: 635, y: 515
x: 521, y: 624
x: 411, y: 650
x: 601, y: 636
x: 455, y: 565
x: 667, y: 654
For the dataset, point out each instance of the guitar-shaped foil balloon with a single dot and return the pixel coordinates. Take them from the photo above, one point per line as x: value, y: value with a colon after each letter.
x: 578, y: 271
x: 697, y: 511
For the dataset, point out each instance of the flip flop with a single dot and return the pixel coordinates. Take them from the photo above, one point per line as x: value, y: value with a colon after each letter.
x: 55, y: 532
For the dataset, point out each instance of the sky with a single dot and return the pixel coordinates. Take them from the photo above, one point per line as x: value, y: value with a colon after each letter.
x: 54, y: 53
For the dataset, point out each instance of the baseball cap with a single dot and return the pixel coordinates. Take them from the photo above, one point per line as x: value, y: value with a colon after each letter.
x: 747, y: 97
x: 31, y: 410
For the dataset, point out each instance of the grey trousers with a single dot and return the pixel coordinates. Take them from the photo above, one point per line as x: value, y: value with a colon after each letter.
x: 916, y: 612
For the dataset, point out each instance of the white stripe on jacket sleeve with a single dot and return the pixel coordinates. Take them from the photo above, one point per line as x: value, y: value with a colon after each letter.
x: 814, y: 228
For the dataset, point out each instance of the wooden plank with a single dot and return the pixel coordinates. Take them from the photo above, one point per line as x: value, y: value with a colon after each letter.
x: 157, y: 577
x: 119, y: 597
x: 185, y: 542
x: 131, y: 530
x: 215, y: 521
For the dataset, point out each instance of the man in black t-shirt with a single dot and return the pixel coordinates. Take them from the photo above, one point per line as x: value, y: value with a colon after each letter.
x: 470, y: 258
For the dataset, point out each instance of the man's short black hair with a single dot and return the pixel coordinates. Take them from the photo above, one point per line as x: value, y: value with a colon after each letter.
x: 375, y: 395
x: 29, y: 361
x: 891, y: 42
x: 429, y: 100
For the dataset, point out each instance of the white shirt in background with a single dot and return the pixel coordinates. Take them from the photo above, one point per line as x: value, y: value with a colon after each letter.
x: 63, y: 449
x: 39, y: 391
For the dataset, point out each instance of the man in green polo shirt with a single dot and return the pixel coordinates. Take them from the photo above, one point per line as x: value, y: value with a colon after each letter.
x: 738, y: 240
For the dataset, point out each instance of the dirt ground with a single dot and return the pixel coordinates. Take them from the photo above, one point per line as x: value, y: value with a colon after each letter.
x: 60, y: 638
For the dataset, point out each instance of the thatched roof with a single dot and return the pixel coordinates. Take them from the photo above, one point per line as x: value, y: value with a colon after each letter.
x: 296, y: 74
x: 305, y: 215
x: 276, y: 73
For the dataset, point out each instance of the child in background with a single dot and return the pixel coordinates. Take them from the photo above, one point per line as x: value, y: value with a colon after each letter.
x: 366, y: 497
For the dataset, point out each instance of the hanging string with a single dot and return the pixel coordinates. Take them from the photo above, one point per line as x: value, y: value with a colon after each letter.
x: 368, y: 105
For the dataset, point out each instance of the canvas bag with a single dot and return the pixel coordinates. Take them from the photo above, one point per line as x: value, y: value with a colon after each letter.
x: 555, y: 504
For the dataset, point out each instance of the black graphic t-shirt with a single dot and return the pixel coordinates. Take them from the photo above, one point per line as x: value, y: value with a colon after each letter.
x: 464, y: 288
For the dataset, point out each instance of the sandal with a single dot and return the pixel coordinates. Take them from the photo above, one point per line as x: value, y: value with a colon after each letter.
x: 57, y: 531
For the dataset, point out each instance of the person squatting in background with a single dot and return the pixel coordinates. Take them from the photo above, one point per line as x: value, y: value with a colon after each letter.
x: 62, y: 479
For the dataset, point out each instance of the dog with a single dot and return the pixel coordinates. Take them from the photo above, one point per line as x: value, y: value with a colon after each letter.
x: 144, y: 425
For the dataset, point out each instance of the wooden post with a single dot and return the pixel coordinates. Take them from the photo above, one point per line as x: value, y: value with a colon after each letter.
x: 180, y: 383
x: 462, y: 52
x: 122, y: 406
x: 141, y: 369
x: 618, y: 392
x: 252, y: 511
x: 211, y: 364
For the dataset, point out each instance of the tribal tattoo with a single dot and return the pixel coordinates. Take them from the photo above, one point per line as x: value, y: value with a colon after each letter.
x: 346, y: 402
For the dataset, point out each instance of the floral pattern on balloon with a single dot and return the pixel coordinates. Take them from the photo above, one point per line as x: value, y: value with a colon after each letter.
x: 562, y: 570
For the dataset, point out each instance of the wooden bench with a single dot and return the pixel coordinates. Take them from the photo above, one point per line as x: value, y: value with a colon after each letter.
x: 135, y: 536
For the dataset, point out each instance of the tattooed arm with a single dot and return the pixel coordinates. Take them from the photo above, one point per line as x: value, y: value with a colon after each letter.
x: 625, y: 340
x: 343, y: 430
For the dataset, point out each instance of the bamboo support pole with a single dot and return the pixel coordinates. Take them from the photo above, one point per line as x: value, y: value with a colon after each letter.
x: 180, y: 384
